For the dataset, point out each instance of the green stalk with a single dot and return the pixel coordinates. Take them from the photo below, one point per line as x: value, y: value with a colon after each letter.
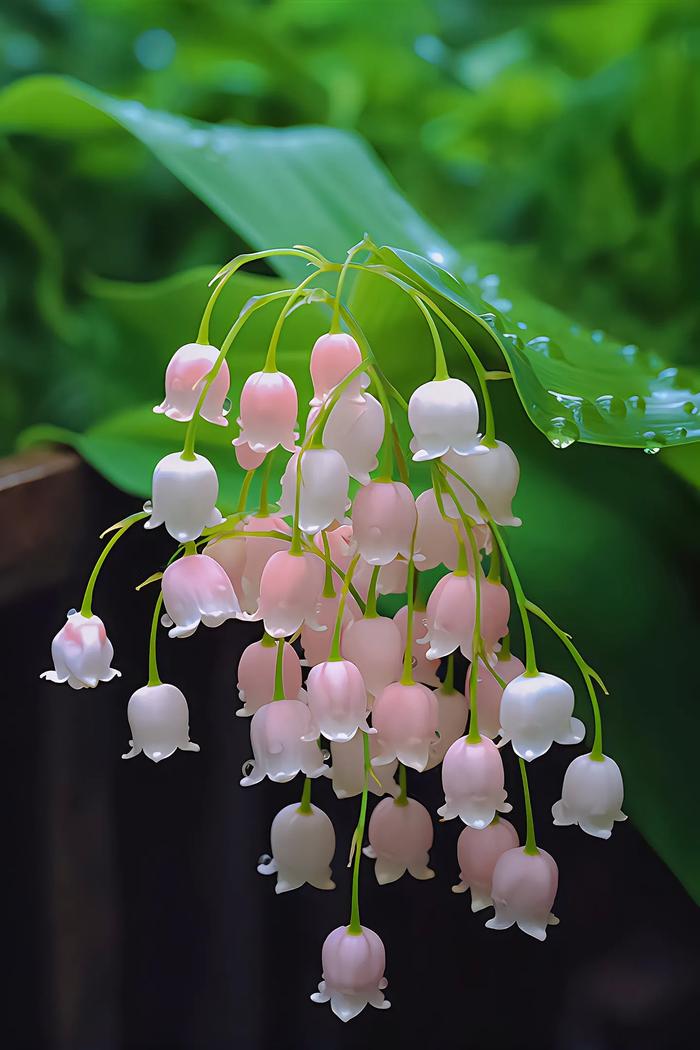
x: 328, y: 588
x: 271, y: 358
x: 86, y: 606
x: 264, y: 507
x: 530, y: 843
x: 278, y: 693
x: 153, y: 676
x: 371, y: 606
x: 335, y: 644
x: 407, y: 676
x: 402, y: 798
x: 335, y: 318
x: 305, y: 804
x: 355, y: 926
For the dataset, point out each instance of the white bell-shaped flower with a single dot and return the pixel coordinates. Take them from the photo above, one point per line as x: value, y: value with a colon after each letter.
x: 536, y: 712
x: 337, y: 700
x: 348, y: 769
x: 523, y: 888
x: 494, y: 476
x: 81, y: 653
x: 353, y: 972
x: 473, y: 779
x: 196, y: 589
x: 185, y: 492
x: 323, y: 496
x: 444, y: 416
x: 591, y: 796
x: 184, y: 378
x: 277, y: 733
x: 400, y: 837
x: 355, y: 429
x: 303, y: 844
x: 160, y: 722
x: 333, y: 357
x: 268, y: 412
x: 256, y: 676
x: 478, y: 850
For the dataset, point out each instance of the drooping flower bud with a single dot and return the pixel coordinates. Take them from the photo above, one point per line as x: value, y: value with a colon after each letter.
x: 268, y: 412
x: 185, y: 492
x: 323, y: 496
x: 160, y: 722
x: 280, y: 751
x: 406, y: 720
x: 303, y: 844
x: 81, y: 653
x: 337, y: 700
x: 494, y: 476
x: 472, y: 779
x: 383, y: 520
x: 536, y: 711
x: 489, y: 692
x: 424, y: 670
x: 523, y: 888
x: 353, y: 972
x: 256, y: 676
x: 450, y: 616
x: 400, y: 837
x: 443, y: 415
x: 477, y: 853
x: 290, y: 588
x: 355, y: 429
x: 452, y: 720
x: 184, y: 378
x: 374, y: 645
x: 591, y: 796
x: 333, y: 357
x: 196, y: 589
x: 348, y: 769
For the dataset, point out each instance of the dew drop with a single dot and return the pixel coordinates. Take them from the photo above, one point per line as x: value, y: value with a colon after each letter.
x: 264, y: 858
x: 228, y: 405
x: 325, y: 754
x: 71, y: 612
x: 148, y: 506
x: 690, y: 409
x: 562, y: 432
x: 629, y: 352
x: 248, y: 767
x: 637, y: 403
x: 613, y: 405
x: 165, y: 621
x: 651, y: 450
x: 597, y: 336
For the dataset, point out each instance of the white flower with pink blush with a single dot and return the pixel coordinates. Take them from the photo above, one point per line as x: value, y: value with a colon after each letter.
x: 473, y: 782
x: 348, y: 769
x: 184, y: 379
x: 337, y: 698
x: 591, y: 796
x: 323, y: 493
x: 256, y: 676
x: 400, y: 837
x: 444, y: 416
x: 523, y: 888
x: 268, y: 414
x: 333, y: 357
x: 81, y: 653
x: 383, y: 520
x: 355, y: 429
x: 185, y: 492
x: 196, y: 589
x: 290, y: 589
x: 494, y: 476
x: 159, y: 720
x: 406, y: 720
x: 450, y: 616
x: 353, y: 972
x: 374, y: 645
x: 303, y: 844
x: 477, y: 853
x: 280, y: 750
x: 536, y: 712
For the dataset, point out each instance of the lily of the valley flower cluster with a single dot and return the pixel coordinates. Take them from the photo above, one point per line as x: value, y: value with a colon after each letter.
x: 335, y: 689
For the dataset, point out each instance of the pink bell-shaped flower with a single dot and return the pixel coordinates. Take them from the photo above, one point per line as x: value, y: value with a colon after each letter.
x: 453, y: 710
x: 196, y: 589
x: 159, y: 720
x: 268, y: 412
x: 400, y: 837
x: 277, y: 733
x: 450, y: 616
x: 355, y: 429
x: 443, y: 415
x: 489, y: 693
x: 591, y: 796
x: 477, y: 853
x: 323, y: 497
x: 435, y: 537
x: 185, y: 492
x: 303, y: 844
x: 494, y: 614
x: 339, y: 544
x: 317, y: 643
x: 472, y: 779
x: 536, y: 711
x: 383, y: 520
x: 348, y: 769
x: 337, y: 700
x: 353, y: 972
x: 392, y: 577
x: 523, y: 888
x: 494, y: 476
x: 247, y: 459
x: 406, y: 720
x: 81, y: 653
x: 424, y: 670
x: 256, y: 676
x: 333, y: 357
x: 374, y: 645
x: 258, y: 551
x: 184, y: 378
x: 290, y: 589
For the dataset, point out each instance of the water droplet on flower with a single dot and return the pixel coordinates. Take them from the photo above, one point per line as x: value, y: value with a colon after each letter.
x: 562, y: 432
x: 71, y: 612
x: 227, y: 406
x: 264, y: 858
x: 247, y: 767
x: 166, y: 621
x: 325, y: 754
x: 148, y: 506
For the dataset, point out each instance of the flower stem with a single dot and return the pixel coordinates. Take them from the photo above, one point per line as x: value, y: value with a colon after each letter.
x: 402, y: 798
x: 448, y: 685
x: 86, y: 606
x: 530, y: 843
x: 264, y: 507
x: 153, y: 676
x: 305, y: 804
x: 407, y: 676
x: 355, y: 926
x: 371, y: 606
x: 441, y: 372
x: 328, y: 588
x: 335, y: 318
x: 245, y: 487
x: 278, y: 693
x: 271, y: 358
x: 335, y: 644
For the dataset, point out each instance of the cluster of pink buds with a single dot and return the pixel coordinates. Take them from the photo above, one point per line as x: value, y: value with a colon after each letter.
x: 335, y: 688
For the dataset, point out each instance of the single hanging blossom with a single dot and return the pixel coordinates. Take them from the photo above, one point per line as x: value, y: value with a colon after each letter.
x: 348, y: 769
x: 536, y: 712
x: 523, y: 888
x: 258, y: 551
x: 450, y: 616
x: 494, y: 476
x: 453, y: 710
x: 355, y: 429
x: 478, y: 852
x: 303, y: 844
x: 337, y: 700
x: 353, y: 972
x: 184, y: 378
x: 424, y: 670
x: 290, y: 589
x: 489, y: 692
x: 472, y: 779
x: 268, y: 412
x: 323, y: 496
x: 185, y: 492
x: 317, y: 644
x: 196, y: 589
x: 333, y: 357
x: 280, y: 751
x: 591, y: 796
x: 494, y: 615
x: 374, y: 645
x: 81, y: 653
x: 256, y: 676
x: 160, y: 722
x: 383, y: 520
x: 406, y: 719
x: 400, y: 837
x: 444, y: 416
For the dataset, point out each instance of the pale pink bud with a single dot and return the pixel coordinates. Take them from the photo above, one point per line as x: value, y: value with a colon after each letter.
x: 184, y: 378
x: 303, y: 844
x: 443, y: 415
x: 185, y: 492
x: 317, y: 643
x: 489, y: 693
x: 494, y: 476
x: 477, y: 854
x: 160, y: 722
x: 536, y: 711
x: 290, y: 589
x: 81, y: 653
x: 472, y: 779
x: 277, y: 732
x: 355, y: 429
x: 494, y: 613
x: 256, y: 676
x: 383, y: 520
x: 323, y: 496
x: 337, y: 700
x: 591, y: 796
x: 450, y: 616
x: 333, y: 357
x: 353, y: 972
x: 348, y: 769
x: 268, y: 412
x: 258, y: 551
x: 523, y: 888
x: 406, y: 719
x: 452, y: 721
x: 400, y: 836
x: 424, y: 670
x: 247, y: 459
x: 375, y: 646
x: 197, y: 590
